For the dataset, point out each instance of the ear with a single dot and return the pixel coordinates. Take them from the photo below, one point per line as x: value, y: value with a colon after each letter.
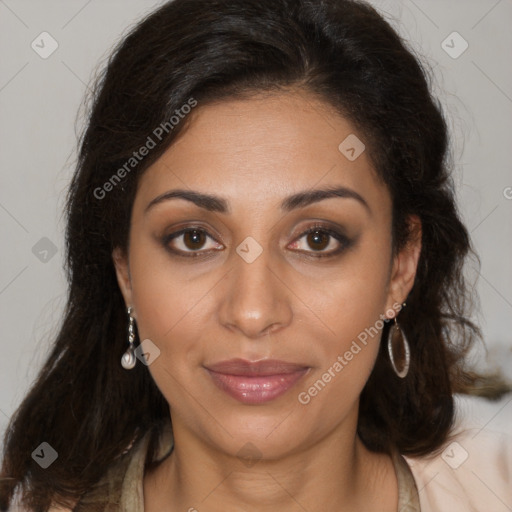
x: 123, y: 274
x: 405, y: 264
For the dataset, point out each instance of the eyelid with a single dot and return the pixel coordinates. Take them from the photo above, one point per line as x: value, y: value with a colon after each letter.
x: 343, y: 241
x: 166, y: 239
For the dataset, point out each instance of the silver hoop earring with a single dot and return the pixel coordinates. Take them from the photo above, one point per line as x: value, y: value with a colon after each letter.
x: 128, y: 361
x: 398, y: 344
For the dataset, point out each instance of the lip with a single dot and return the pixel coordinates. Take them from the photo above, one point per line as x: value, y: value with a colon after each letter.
x: 256, y: 382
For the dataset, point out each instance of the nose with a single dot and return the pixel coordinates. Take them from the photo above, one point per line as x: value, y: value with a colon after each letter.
x: 255, y: 298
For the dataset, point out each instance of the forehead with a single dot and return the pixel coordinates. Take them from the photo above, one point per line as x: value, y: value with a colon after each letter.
x: 258, y: 150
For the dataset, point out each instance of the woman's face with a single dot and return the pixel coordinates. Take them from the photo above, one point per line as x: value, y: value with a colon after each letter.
x: 251, y: 284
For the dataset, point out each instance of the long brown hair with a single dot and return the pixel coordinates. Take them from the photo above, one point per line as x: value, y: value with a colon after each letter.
x: 83, y: 403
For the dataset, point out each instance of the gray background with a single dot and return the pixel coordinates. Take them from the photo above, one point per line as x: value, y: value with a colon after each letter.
x: 40, y: 98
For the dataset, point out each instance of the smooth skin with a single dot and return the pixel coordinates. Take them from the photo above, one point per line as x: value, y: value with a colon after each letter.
x: 287, y: 304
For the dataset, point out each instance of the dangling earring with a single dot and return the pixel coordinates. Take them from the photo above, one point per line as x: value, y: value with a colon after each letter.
x: 128, y: 361
x: 397, y: 342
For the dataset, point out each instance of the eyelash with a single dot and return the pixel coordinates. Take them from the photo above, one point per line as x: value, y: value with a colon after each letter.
x: 345, y: 243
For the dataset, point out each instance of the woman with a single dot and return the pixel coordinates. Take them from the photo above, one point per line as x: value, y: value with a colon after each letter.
x: 264, y: 250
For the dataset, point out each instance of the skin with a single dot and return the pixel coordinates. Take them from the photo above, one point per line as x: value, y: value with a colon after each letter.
x: 285, y: 305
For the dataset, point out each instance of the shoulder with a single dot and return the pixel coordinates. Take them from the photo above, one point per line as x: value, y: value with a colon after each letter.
x: 122, y: 481
x: 121, y: 486
x: 473, y: 469
x: 107, y: 491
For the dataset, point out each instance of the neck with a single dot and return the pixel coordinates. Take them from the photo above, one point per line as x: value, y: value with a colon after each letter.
x: 336, y: 473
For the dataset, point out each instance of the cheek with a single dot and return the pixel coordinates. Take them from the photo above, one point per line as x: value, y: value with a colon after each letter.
x: 348, y: 356
x: 169, y: 313
x: 166, y: 299
x: 352, y: 296
x: 352, y: 305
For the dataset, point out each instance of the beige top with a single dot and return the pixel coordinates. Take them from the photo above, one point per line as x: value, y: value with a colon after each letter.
x: 121, y: 489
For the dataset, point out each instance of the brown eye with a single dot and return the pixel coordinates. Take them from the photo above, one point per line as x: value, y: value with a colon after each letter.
x: 189, y: 242
x: 318, y: 240
x: 194, y: 239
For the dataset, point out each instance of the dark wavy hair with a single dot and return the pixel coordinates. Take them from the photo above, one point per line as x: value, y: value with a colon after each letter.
x: 83, y: 403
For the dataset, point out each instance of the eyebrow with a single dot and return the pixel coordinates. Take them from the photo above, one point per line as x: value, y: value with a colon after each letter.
x: 218, y: 204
